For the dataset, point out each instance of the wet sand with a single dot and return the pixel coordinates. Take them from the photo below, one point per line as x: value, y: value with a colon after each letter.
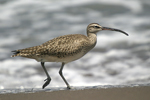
x: 113, y: 93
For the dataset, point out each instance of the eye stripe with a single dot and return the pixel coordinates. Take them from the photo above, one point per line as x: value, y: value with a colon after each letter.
x: 96, y: 26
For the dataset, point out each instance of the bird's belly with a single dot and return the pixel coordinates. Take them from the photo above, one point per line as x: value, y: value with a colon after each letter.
x: 65, y: 59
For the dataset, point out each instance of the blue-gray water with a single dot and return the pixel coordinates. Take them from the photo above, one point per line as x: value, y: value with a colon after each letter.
x: 116, y: 59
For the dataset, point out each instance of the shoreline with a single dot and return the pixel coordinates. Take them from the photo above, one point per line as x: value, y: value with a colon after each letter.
x: 108, y: 92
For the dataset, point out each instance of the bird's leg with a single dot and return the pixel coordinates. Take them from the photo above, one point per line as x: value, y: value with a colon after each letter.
x: 48, y: 79
x: 61, y: 74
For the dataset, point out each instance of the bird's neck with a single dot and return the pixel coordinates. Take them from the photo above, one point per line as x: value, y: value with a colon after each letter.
x: 92, y: 37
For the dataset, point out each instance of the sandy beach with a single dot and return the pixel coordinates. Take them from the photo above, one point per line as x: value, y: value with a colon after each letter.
x: 114, y: 93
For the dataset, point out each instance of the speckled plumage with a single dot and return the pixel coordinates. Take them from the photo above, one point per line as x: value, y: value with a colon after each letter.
x: 63, y: 49
x: 58, y: 48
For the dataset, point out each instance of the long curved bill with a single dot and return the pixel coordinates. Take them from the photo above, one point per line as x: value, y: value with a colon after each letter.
x: 113, y: 29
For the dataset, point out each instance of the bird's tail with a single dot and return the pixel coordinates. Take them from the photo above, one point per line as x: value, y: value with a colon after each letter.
x: 16, y: 53
x: 27, y: 52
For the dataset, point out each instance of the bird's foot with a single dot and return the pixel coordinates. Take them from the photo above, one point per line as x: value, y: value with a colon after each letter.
x: 68, y: 87
x: 47, y: 82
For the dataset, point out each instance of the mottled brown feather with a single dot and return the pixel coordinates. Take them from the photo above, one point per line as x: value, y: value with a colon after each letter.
x: 60, y: 47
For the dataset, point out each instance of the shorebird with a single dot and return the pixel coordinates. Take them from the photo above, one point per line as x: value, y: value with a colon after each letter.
x: 64, y: 49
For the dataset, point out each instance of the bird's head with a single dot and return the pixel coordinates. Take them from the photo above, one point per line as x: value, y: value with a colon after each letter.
x: 94, y: 28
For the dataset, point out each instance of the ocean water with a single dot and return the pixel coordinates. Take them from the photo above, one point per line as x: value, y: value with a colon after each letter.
x: 116, y: 59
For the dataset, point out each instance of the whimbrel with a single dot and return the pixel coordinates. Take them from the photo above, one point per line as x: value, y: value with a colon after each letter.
x: 64, y: 49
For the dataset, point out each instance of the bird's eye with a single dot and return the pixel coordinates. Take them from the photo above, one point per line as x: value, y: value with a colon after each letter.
x: 96, y: 26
